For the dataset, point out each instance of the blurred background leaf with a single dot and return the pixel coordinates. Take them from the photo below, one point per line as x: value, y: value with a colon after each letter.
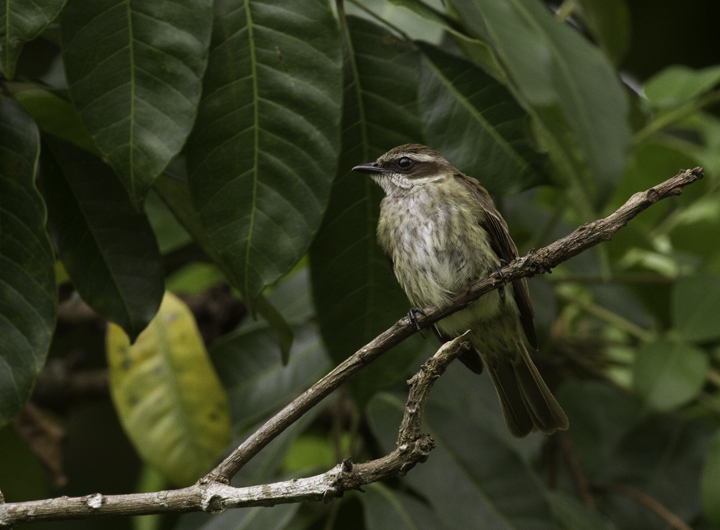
x: 167, y: 394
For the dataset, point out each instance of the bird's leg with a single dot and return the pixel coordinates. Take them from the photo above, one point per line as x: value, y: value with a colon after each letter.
x: 413, y: 319
x: 501, y: 289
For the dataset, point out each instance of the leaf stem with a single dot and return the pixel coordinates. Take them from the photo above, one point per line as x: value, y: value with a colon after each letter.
x: 674, y: 116
x: 609, y: 317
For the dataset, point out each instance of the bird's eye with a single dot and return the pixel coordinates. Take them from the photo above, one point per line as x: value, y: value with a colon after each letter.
x: 405, y: 163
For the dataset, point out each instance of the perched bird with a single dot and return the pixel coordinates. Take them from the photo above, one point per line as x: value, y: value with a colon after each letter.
x: 441, y: 231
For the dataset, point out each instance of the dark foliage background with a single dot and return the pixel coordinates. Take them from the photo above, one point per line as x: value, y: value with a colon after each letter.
x: 204, y: 149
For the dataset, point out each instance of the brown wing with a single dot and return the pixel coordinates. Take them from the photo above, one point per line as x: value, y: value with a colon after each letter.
x: 504, y: 247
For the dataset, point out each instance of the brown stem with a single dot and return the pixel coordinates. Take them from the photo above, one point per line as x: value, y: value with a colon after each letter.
x: 646, y: 500
x: 582, y: 485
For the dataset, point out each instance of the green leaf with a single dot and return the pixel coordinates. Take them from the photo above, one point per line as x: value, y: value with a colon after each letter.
x: 571, y: 515
x: 696, y: 307
x: 387, y: 508
x: 167, y: 395
x: 256, y: 380
x: 649, y: 163
x: 554, y: 67
x: 176, y: 194
x: 108, y: 249
x: 709, y: 483
x: 134, y: 70
x: 476, y: 124
x: 356, y: 296
x: 667, y: 375
x: 22, y: 21
x: 28, y: 300
x: 474, y: 476
x: 600, y: 416
x: 56, y: 116
x: 265, y: 145
x: 662, y: 457
x: 284, y: 332
x: 676, y: 85
x: 609, y: 22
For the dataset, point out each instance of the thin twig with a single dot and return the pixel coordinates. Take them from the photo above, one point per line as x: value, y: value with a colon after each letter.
x: 609, y: 317
x: 582, y: 485
x: 646, y: 500
x: 412, y: 448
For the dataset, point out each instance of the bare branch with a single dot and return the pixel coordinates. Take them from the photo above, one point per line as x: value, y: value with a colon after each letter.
x: 412, y: 448
x: 543, y: 260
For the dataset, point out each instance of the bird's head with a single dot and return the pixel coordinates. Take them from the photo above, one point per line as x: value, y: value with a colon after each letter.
x: 406, y: 167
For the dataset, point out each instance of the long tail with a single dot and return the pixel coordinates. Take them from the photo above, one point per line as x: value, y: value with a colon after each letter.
x: 527, y: 403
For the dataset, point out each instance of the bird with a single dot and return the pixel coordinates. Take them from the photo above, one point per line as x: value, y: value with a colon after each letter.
x: 441, y: 231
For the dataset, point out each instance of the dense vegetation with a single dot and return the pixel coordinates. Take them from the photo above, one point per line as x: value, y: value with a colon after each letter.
x: 153, y: 147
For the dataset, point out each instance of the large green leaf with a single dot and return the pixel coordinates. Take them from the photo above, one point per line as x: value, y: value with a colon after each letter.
x: 387, y: 508
x: 696, y: 307
x: 668, y: 374
x: 662, y: 457
x: 265, y: 145
x: 27, y: 262
x: 572, y: 515
x: 167, y: 395
x: 108, y: 249
x: 355, y: 293
x: 474, y: 121
x: 678, y: 84
x: 134, y: 69
x: 600, y: 416
x: 554, y: 67
x: 176, y: 194
x: 609, y: 22
x: 22, y: 21
x: 475, y: 478
x: 256, y: 380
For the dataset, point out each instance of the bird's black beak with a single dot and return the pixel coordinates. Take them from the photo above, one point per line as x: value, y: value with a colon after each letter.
x: 370, y: 167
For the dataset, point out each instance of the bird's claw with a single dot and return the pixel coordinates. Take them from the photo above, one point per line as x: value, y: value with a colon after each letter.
x: 413, y: 319
x: 490, y: 270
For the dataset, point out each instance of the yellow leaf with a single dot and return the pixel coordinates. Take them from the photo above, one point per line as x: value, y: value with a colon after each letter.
x: 167, y: 394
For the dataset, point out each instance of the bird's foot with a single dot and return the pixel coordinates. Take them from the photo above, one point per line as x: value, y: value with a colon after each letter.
x: 413, y: 319
x: 490, y: 270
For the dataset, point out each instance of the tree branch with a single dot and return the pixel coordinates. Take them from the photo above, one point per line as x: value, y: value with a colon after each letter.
x: 543, y: 260
x: 212, y: 493
x: 214, y: 497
